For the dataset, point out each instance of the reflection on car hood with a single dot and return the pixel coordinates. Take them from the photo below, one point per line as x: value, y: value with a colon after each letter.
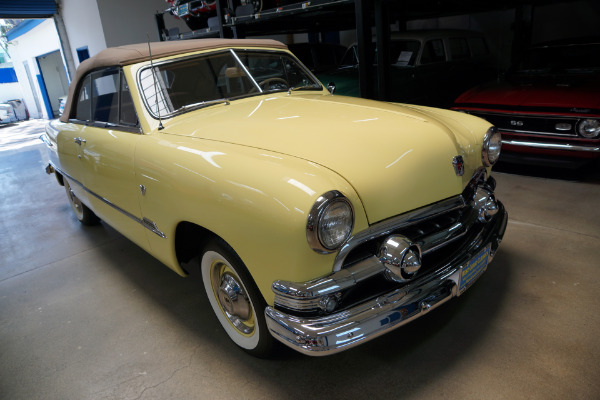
x: 396, y: 158
x: 557, y: 91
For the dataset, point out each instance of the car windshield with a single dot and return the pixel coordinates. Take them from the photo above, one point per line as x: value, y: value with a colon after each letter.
x: 561, y: 59
x: 195, y: 82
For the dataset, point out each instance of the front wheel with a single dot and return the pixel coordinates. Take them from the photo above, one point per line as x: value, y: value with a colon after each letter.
x: 235, y: 299
x: 82, y: 212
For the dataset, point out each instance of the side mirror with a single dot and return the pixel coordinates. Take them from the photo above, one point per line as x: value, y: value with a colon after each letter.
x: 331, y: 87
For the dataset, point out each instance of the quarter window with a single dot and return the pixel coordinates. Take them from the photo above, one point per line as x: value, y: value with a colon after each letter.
x: 83, y: 107
x: 104, y: 97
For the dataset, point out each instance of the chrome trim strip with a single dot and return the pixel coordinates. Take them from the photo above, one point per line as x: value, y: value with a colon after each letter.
x: 536, y: 132
x: 145, y: 222
x: 306, y: 295
x: 401, y: 221
x: 317, y: 336
x: 553, y: 146
x: 233, y: 53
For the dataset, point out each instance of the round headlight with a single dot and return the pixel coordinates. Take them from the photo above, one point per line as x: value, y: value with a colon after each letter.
x: 492, y: 143
x: 329, y: 223
x: 589, y: 128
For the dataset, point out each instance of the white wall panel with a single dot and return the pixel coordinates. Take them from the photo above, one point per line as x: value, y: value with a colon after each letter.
x: 41, y: 40
x: 83, y: 25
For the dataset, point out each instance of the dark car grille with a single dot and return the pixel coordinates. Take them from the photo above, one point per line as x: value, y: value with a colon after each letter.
x: 538, y: 125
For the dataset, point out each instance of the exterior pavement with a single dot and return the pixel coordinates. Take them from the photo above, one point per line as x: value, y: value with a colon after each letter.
x: 86, y: 314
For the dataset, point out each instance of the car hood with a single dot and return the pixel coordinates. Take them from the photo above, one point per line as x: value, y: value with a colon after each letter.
x: 558, y: 91
x: 396, y: 158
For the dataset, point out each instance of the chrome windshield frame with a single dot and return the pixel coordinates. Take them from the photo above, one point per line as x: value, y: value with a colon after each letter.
x: 232, y: 51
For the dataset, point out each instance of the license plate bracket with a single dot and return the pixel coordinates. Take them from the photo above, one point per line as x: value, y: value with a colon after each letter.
x: 471, y: 271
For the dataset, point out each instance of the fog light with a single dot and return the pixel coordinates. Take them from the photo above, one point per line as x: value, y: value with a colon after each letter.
x: 400, y: 257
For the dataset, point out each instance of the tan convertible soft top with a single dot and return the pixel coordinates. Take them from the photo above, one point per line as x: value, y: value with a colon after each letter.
x: 134, y: 53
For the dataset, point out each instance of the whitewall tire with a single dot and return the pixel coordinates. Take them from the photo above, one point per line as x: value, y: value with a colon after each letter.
x: 235, y: 299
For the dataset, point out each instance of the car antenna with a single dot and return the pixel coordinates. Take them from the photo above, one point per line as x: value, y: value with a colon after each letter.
x: 160, y: 125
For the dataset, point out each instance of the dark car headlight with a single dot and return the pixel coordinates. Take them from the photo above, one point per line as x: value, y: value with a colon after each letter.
x: 329, y: 222
x: 492, y: 143
x: 589, y: 128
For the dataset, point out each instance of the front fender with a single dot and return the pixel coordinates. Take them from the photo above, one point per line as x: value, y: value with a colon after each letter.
x: 256, y: 200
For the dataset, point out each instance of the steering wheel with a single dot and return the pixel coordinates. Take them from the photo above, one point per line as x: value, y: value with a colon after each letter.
x: 267, y: 82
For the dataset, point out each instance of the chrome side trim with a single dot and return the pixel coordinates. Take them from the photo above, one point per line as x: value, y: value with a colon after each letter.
x: 401, y: 221
x: 145, y: 222
x: 553, y: 146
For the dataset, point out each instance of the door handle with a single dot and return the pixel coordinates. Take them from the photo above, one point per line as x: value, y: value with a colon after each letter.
x: 79, y: 140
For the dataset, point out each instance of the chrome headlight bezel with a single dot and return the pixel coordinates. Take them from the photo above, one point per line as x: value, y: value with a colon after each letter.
x: 581, y: 128
x: 492, y: 144
x: 316, y: 221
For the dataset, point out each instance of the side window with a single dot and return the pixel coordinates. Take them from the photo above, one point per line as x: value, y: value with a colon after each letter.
x: 459, y: 49
x: 83, y: 106
x: 128, y: 115
x: 433, y: 52
x: 105, y: 96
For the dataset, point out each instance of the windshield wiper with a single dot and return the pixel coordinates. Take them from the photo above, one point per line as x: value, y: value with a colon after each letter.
x: 313, y: 86
x: 202, y: 104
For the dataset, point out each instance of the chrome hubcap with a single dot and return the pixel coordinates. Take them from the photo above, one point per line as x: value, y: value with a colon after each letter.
x: 232, y: 298
x: 75, y: 202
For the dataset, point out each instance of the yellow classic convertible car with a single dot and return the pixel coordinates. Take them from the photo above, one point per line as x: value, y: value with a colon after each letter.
x: 315, y: 220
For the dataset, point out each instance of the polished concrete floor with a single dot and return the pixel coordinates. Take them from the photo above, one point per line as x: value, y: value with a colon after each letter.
x: 86, y: 314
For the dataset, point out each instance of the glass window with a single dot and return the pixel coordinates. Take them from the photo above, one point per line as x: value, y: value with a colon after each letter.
x: 105, y: 96
x: 433, y: 52
x: 83, y: 106
x: 459, y: 49
x: 404, y: 52
x: 205, y: 80
x: 128, y: 115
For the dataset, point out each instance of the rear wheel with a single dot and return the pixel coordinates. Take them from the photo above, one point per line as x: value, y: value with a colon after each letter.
x: 82, y: 212
x: 235, y: 299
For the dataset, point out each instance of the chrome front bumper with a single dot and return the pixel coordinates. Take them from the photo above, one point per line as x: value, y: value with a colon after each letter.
x: 348, y: 328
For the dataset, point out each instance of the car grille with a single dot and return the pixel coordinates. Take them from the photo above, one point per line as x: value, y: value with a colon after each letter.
x: 536, y: 125
x: 445, y: 231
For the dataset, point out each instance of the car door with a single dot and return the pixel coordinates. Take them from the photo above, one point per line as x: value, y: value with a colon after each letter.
x: 69, y: 139
x: 107, y: 154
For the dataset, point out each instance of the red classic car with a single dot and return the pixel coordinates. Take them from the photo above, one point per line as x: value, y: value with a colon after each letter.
x: 547, y: 108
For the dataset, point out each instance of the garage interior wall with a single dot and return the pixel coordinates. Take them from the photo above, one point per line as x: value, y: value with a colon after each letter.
x: 83, y: 25
x: 131, y: 21
x: 24, y: 50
